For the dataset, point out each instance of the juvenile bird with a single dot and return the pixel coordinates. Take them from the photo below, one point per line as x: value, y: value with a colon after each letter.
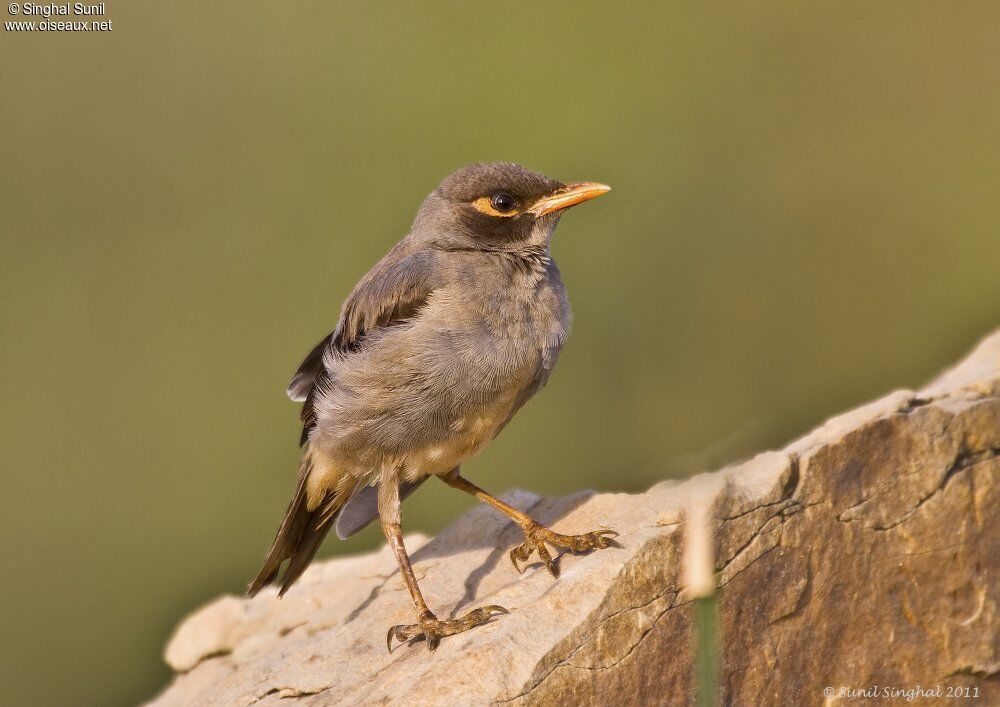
x: 436, y: 348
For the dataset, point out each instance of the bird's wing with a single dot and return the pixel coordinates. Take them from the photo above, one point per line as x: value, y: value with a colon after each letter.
x: 392, y: 292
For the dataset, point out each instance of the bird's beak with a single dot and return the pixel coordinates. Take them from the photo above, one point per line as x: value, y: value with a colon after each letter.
x: 569, y: 195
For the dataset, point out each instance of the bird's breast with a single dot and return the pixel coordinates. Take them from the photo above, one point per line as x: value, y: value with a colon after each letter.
x: 500, y: 336
x: 435, y: 391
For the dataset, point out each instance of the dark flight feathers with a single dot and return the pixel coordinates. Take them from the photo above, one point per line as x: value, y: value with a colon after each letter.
x: 391, y: 293
x: 298, y: 538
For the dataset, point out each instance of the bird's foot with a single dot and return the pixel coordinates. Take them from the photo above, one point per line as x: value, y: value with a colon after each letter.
x: 535, y: 537
x: 434, y: 629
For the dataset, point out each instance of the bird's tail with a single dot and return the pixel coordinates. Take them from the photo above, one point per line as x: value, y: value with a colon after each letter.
x: 300, y: 535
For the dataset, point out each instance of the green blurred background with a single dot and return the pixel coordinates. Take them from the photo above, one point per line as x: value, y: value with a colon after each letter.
x: 804, y: 217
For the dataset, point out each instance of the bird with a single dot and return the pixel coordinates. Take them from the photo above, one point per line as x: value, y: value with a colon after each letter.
x: 435, y: 350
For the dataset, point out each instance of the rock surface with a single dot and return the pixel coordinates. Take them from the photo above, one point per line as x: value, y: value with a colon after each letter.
x: 865, y: 554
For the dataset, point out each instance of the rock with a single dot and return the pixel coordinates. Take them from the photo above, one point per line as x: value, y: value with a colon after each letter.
x: 863, y: 556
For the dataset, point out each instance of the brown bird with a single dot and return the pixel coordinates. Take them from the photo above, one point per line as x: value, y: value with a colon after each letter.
x: 435, y: 350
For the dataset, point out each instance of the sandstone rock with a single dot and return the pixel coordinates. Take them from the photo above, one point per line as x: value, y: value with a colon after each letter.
x: 864, y: 554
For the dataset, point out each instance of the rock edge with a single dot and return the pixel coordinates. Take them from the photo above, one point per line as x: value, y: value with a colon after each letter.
x: 861, y: 554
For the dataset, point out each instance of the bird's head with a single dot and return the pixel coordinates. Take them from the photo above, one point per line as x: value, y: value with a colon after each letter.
x: 498, y: 205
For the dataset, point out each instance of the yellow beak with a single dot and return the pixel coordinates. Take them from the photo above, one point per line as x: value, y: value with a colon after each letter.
x: 570, y: 195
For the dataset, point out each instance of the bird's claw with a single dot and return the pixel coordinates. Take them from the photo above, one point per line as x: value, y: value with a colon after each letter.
x: 526, y: 549
x: 536, y: 536
x: 432, y: 629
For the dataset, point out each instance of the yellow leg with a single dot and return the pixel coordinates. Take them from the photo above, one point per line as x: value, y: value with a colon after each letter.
x: 535, y: 535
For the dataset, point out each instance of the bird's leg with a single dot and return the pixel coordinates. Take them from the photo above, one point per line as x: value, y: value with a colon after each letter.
x: 428, y: 625
x: 535, y: 535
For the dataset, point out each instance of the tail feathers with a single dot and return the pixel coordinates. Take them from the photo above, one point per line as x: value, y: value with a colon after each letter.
x: 299, y: 537
x: 303, y: 555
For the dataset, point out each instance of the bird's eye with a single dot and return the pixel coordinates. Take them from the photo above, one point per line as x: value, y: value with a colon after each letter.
x: 500, y: 205
x: 502, y: 202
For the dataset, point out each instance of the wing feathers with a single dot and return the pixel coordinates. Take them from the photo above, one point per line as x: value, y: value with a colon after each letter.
x: 309, y: 369
x: 391, y: 293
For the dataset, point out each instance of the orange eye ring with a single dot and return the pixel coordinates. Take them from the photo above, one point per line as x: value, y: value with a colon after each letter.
x: 486, y: 205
